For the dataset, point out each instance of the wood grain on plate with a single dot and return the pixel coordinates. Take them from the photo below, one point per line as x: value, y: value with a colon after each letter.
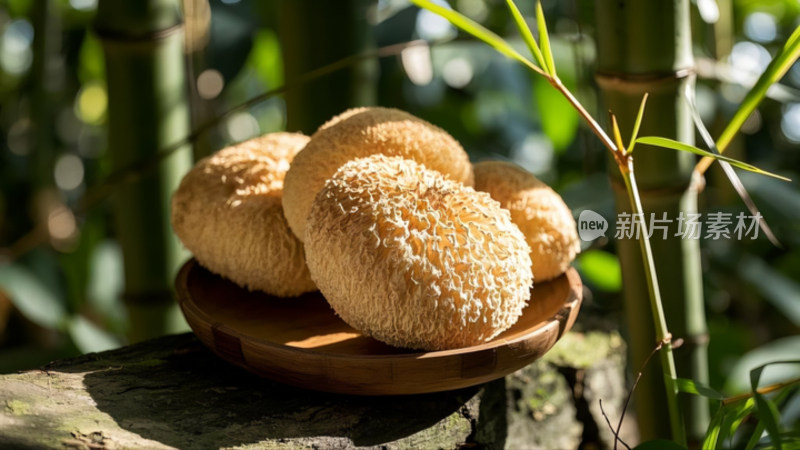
x: 300, y: 341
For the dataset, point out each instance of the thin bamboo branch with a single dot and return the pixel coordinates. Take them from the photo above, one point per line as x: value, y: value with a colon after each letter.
x: 593, y: 125
x: 659, y: 319
x: 645, y: 46
x: 763, y: 391
x: 625, y: 164
x: 624, y: 161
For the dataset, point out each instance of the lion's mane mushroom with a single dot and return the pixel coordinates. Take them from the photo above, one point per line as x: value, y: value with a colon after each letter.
x: 538, y: 211
x: 413, y: 259
x: 361, y: 132
x: 227, y: 212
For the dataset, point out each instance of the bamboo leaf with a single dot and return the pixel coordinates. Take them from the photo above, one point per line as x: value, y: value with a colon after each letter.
x: 477, y: 30
x: 761, y: 368
x: 726, y: 167
x: 526, y: 33
x: 740, y: 410
x: 616, y: 133
x: 600, y: 269
x: 765, y: 409
x: 775, y: 71
x: 33, y: 299
x: 544, y: 40
x: 779, y: 353
x: 637, y: 124
x: 675, y: 145
x: 88, y: 337
x: 714, y: 429
x: 786, y: 437
x: 559, y: 120
x: 695, y: 388
x: 756, y: 436
x: 735, y: 415
x: 790, y: 437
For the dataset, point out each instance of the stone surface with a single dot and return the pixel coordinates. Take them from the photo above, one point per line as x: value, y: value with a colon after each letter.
x: 554, y: 402
x: 173, y: 393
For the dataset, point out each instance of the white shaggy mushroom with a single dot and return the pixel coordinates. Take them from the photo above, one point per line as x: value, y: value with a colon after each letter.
x: 539, y: 212
x: 227, y: 212
x: 413, y: 259
x: 360, y: 132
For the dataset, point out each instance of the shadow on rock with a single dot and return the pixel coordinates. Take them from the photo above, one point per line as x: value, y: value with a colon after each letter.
x: 174, y: 391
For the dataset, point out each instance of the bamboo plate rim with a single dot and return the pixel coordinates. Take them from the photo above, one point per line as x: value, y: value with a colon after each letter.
x: 563, y: 318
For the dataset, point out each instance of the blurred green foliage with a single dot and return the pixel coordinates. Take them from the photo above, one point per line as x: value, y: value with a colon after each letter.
x: 61, y: 271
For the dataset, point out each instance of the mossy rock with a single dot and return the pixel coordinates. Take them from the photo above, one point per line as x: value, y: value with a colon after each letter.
x: 173, y: 393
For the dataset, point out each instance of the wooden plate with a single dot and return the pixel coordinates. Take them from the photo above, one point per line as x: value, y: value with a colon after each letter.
x: 300, y: 341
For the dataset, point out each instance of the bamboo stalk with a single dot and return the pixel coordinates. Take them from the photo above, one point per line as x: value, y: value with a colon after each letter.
x: 645, y: 46
x: 147, y: 112
x: 314, y: 33
x: 45, y: 73
x: 197, y: 16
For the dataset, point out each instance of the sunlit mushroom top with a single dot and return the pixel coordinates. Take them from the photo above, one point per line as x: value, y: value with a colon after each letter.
x: 414, y: 259
x: 361, y: 132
